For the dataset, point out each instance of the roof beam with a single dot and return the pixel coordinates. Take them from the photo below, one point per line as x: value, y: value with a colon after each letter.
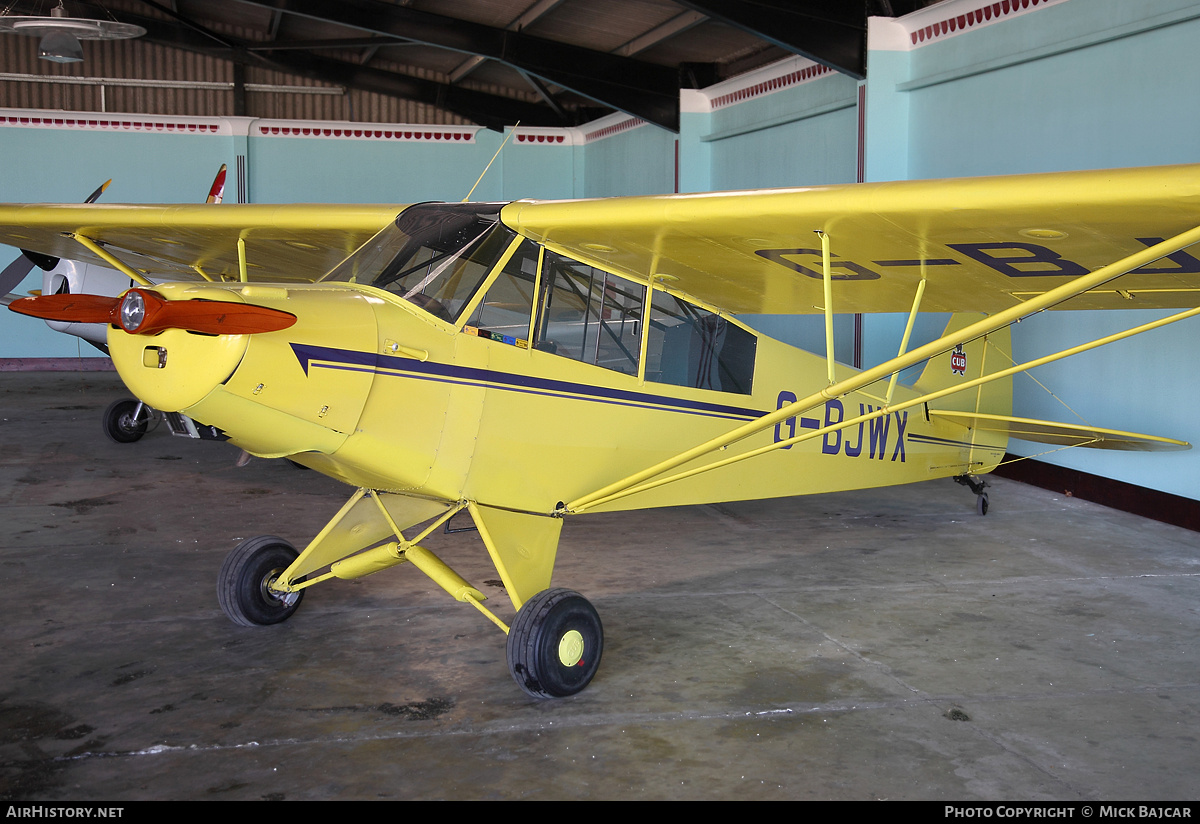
x: 492, y: 111
x: 831, y: 32
x: 526, y: 17
x: 644, y: 90
x: 677, y: 24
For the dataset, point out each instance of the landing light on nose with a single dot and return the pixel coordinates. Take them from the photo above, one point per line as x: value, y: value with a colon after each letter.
x: 133, y: 311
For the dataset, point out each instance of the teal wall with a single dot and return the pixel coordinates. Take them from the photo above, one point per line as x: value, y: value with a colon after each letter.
x: 1080, y: 85
x: 291, y: 170
x: 1073, y: 85
x: 48, y: 165
x: 800, y: 136
x: 640, y: 161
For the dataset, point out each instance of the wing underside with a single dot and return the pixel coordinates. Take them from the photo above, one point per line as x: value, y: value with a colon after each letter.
x: 1061, y: 434
x: 296, y: 242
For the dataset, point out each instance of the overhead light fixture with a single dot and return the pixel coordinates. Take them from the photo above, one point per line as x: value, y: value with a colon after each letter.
x: 61, y: 33
x: 60, y: 47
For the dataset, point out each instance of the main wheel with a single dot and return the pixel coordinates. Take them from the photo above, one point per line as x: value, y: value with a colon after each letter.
x: 981, y: 503
x: 122, y: 423
x: 243, y: 587
x: 554, y: 645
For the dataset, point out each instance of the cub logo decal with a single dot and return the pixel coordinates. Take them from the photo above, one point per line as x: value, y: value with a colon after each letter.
x: 958, y: 361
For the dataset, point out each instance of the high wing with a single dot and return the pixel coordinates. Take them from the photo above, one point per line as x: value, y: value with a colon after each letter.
x: 982, y: 244
x: 295, y: 242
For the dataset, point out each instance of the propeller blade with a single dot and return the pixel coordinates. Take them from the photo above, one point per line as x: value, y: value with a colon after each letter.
x: 96, y: 194
x: 216, y: 317
x: 69, y: 308
x: 43, y: 262
x: 14, y: 273
x: 217, y: 193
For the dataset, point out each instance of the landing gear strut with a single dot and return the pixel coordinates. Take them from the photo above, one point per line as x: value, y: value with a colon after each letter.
x: 555, y: 641
x: 977, y: 486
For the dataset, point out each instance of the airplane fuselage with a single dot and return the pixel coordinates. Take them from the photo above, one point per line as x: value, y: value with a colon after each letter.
x: 515, y: 393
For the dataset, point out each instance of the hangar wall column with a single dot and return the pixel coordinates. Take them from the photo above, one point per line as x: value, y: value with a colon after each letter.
x: 237, y: 179
x: 887, y: 133
x: 695, y: 153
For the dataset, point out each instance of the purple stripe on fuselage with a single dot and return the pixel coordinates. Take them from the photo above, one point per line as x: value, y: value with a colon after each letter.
x: 351, y: 360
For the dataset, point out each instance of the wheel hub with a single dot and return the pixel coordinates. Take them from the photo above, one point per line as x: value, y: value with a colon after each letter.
x: 570, y: 648
x: 269, y: 594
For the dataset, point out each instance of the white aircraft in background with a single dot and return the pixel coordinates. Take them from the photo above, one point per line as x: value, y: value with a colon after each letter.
x: 126, y: 420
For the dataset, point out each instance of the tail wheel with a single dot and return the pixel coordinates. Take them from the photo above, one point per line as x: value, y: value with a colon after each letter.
x: 554, y: 645
x: 122, y: 423
x: 243, y: 587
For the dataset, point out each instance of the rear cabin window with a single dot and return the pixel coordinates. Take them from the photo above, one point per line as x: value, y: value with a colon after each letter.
x: 690, y: 346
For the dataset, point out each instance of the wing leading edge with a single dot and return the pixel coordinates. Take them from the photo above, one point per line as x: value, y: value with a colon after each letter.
x: 293, y: 242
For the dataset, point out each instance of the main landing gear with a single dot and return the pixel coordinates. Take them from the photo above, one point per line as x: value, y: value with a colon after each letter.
x: 977, y: 486
x: 244, y: 584
x: 554, y: 644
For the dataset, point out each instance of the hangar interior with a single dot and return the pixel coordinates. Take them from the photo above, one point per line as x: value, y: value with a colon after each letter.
x: 951, y: 89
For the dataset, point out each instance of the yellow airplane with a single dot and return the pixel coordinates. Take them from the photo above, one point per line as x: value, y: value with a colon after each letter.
x: 533, y: 360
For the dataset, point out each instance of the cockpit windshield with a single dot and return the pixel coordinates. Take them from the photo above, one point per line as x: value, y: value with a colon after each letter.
x: 435, y: 255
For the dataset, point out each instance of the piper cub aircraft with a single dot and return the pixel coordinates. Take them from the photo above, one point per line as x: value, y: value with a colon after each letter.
x: 533, y: 361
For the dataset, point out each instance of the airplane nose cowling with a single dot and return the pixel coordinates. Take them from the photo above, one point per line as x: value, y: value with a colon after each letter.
x: 293, y: 387
x: 174, y: 368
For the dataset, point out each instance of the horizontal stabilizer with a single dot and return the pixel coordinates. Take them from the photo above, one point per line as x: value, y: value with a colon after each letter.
x: 1062, y: 434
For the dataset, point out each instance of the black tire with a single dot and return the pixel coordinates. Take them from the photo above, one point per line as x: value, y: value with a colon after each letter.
x: 555, y: 643
x: 121, y: 424
x: 981, y: 503
x: 247, y: 571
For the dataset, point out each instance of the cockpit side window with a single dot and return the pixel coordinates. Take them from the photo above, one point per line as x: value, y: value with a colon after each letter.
x: 434, y: 256
x: 589, y: 315
x: 506, y: 309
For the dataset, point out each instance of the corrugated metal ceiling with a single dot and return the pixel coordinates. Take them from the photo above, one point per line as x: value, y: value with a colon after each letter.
x: 493, y: 62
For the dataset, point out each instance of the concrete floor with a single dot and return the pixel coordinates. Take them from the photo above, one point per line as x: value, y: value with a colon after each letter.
x: 877, y: 645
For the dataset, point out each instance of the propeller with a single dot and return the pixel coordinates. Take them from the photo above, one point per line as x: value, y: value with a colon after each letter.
x: 143, y: 312
x: 217, y: 192
x: 16, y: 271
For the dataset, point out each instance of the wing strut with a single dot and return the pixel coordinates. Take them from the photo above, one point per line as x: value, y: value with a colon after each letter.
x: 908, y: 327
x: 241, y: 250
x: 827, y: 277
x: 637, y: 481
x: 95, y: 248
x: 887, y: 410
